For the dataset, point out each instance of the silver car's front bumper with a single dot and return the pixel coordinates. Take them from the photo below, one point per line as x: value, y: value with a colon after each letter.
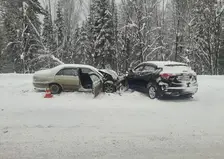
x: 40, y: 85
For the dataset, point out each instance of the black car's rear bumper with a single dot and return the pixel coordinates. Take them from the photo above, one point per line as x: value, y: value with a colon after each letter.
x: 180, y: 91
x: 187, y: 89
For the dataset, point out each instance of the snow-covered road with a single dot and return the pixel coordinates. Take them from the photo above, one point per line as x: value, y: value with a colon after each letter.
x: 131, y: 126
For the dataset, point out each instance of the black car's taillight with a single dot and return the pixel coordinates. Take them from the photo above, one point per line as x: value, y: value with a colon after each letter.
x: 166, y: 76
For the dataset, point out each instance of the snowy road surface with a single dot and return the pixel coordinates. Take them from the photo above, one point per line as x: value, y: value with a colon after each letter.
x: 131, y: 126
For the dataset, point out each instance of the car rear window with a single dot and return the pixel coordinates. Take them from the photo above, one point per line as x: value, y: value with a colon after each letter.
x: 176, y: 68
x: 149, y: 68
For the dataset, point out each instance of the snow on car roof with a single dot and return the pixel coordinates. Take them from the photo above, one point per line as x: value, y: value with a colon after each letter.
x: 59, y: 67
x: 76, y: 65
x: 165, y: 63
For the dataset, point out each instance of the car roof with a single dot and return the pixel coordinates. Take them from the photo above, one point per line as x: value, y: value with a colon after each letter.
x: 164, y: 63
x: 59, y: 67
x: 76, y: 65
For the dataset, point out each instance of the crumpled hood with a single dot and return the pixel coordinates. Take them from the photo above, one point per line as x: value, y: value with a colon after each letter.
x: 110, y: 72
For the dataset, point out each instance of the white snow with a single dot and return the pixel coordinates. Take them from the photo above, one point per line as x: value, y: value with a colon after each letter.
x: 22, y: 56
x: 75, y: 125
x: 130, y: 25
x: 56, y: 59
x: 76, y: 65
x: 178, y: 70
x: 165, y: 63
x: 153, y: 50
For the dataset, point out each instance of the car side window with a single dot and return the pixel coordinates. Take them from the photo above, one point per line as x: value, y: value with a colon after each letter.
x: 138, y: 69
x: 86, y: 70
x: 68, y: 72
x: 148, y: 68
x: 60, y: 73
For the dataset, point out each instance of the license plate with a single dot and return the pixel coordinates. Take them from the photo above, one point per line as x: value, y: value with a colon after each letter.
x: 184, y: 78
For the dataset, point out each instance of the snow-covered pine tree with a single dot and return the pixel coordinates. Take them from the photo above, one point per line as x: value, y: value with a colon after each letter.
x: 22, y: 28
x: 12, y: 22
x: 90, y: 35
x: 115, y: 34
x: 83, y: 44
x: 134, y: 36
x: 48, y: 33
x: 1, y: 46
x: 219, y: 32
x: 207, y: 30
x: 31, y: 37
x: 140, y: 24
x: 179, y: 10
x: 2, y: 38
x: 124, y: 36
x: 221, y: 56
x: 59, y: 26
x: 103, y: 34
x: 139, y: 32
x: 75, y: 46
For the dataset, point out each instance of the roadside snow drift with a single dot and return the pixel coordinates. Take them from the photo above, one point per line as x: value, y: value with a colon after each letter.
x: 75, y: 125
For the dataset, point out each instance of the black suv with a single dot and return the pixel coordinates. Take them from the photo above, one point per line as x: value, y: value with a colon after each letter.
x: 160, y: 78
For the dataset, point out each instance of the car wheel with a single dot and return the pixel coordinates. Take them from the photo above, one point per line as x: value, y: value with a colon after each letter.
x: 109, y: 88
x: 152, y: 91
x: 55, y: 88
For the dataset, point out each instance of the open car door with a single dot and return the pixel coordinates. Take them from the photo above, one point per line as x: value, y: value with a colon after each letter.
x: 97, y: 84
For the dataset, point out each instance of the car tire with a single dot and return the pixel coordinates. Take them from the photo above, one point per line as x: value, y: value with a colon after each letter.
x: 109, y: 88
x: 153, y: 91
x: 55, y: 88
